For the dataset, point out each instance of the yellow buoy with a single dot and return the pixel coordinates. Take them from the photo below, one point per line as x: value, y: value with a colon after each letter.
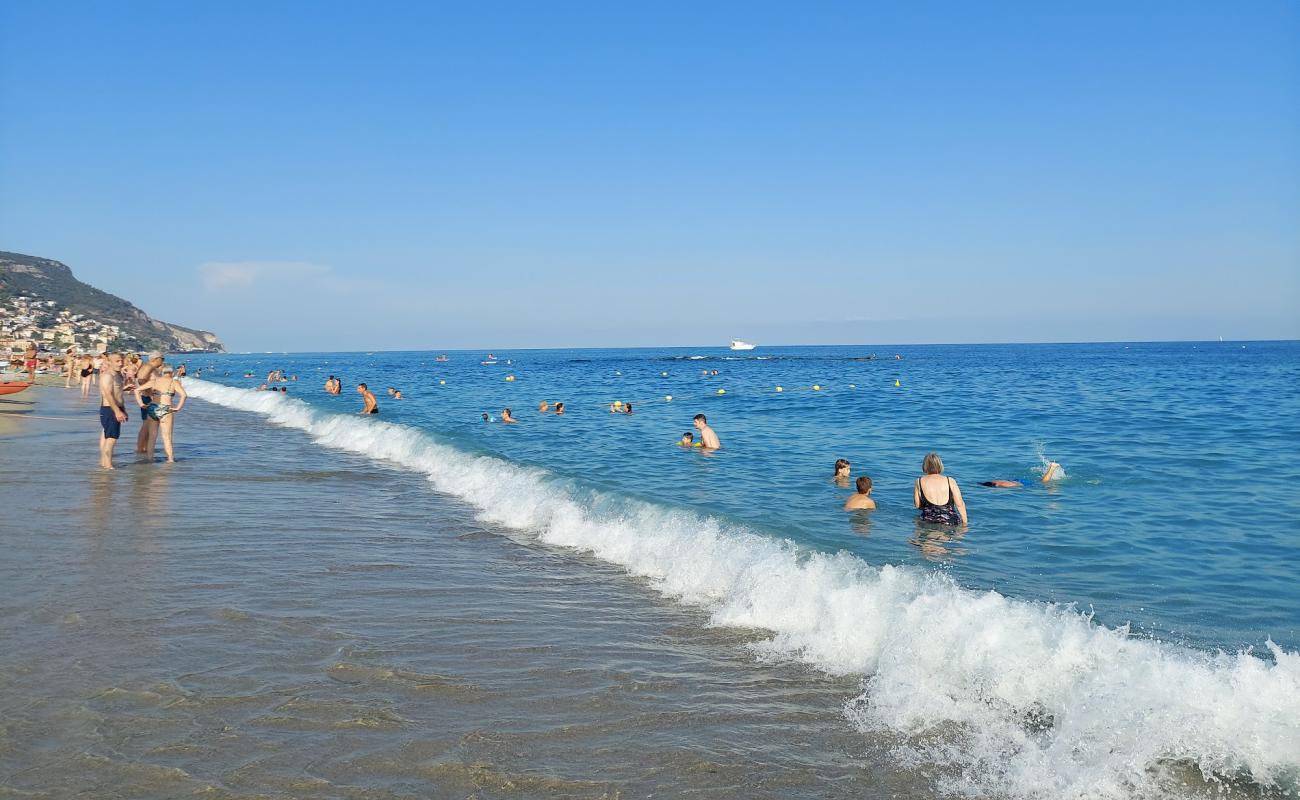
x: 780, y: 389
x: 817, y: 387
x: 510, y: 377
x: 722, y: 391
x: 896, y: 383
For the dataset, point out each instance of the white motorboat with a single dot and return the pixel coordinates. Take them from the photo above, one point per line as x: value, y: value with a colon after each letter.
x: 737, y: 344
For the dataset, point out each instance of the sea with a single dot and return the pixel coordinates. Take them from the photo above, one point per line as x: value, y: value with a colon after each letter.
x: 1129, y: 630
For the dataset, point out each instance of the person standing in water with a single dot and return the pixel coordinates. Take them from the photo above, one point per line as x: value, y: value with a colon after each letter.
x: 708, y: 439
x: 111, y: 413
x: 161, y: 388
x: 147, y: 439
x: 931, y: 487
x: 369, y: 404
x: 861, y: 500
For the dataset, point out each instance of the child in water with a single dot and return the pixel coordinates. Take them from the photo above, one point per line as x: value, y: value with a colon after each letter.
x: 861, y: 500
x: 688, y: 440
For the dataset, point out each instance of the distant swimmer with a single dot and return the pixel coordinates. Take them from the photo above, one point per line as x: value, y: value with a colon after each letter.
x: 1050, y: 474
x: 934, y: 485
x: 487, y: 417
x: 506, y: 416
x: 842, y: 468
x: 861, y: 500
x: 397, y: 395
x: 688, y: 440
x: 543, y: 407
x: 708, y: 439
x: 627, y: 408
x: 391, y: 391
x: 559, y: 408
x: 369, y: 404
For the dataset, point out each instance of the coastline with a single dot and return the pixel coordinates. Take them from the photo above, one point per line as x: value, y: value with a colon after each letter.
x: 193, y: 629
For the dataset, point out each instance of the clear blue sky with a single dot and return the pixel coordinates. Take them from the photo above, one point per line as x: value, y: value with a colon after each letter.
x: 333, y: 175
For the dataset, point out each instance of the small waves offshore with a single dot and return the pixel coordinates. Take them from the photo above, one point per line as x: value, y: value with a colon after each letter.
x: 1007, y: 697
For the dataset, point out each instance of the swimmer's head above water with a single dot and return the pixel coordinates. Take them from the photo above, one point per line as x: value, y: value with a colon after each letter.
x: 842, y: 468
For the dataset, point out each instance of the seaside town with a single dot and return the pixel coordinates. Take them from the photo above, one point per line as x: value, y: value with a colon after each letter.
x: 27, y: 319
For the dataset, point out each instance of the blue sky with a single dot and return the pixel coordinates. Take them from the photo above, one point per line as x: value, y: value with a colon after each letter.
x: 390, y: 176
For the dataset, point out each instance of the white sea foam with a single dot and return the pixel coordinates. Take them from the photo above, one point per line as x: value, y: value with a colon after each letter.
x: 1011, y: 698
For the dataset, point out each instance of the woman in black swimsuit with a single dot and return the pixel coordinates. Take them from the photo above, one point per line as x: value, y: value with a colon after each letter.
x: 934, y: 485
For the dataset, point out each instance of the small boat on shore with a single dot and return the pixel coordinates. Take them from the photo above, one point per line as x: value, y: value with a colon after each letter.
x: 13, y: 387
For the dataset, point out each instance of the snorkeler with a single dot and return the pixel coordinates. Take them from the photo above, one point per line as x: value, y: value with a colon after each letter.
x: 861, y: 500
x: 1050, y: 474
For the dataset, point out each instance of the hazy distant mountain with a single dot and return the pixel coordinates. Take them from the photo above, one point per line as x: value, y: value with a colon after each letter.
x: 50, y: 280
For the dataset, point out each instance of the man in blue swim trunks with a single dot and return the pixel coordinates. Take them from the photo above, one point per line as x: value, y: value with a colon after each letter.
x: 111, y: 412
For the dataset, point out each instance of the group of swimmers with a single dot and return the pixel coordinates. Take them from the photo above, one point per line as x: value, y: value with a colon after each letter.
x: 929, y: 488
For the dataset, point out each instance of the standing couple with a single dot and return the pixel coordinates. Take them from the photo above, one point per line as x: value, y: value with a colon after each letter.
x: 156, y: 387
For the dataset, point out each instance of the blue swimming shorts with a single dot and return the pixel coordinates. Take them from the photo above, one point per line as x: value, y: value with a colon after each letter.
x: 107, y: 419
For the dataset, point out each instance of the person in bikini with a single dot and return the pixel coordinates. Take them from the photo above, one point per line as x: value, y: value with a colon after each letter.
x: 162, y: 388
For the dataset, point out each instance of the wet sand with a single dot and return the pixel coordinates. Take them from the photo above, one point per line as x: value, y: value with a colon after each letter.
x: 269, y: 619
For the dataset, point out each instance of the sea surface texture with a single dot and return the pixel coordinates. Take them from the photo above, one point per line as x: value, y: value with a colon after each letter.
x: 1130, y: 630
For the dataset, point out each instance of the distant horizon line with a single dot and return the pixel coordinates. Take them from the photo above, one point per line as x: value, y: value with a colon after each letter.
x: 727, y: 349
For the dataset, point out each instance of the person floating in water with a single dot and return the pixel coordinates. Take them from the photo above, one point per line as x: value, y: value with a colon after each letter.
x: 861, y: 500
x: 841, y: 476
x: 543, y: 407
x: 688, y: 440
x: 559, y: 408
x: 934, y: 485
x: 1050, y: 474
x: 627, y: 408
x: 708, y: 439
x: 369, y: 404
x: 506, y: 416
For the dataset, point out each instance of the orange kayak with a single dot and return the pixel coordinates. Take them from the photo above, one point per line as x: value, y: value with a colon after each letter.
x: 12, y: 387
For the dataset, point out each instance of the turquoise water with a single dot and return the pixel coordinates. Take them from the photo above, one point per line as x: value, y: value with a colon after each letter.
x: 1177, y: 515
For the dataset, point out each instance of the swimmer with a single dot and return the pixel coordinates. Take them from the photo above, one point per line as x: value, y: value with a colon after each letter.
x: 391, y: 391
x: 708, y: 439
x: 506, y: 416
x: 627, y: 408
x: 559, y: 408
x: 688, y: 440
x: 1050, y: 474
x: 397, y: 395
x: 861, y: 500
x: 487, y: 417
x: 543, y: 407
x: 841, y: 476
x: 368, y: 403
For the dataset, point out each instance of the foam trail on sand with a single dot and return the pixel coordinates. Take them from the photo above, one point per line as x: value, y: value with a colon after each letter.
x: 1015, y: 698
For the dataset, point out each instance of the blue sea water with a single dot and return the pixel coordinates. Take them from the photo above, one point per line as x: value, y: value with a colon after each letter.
x: 1112, y: 634
x: 1177, y: 515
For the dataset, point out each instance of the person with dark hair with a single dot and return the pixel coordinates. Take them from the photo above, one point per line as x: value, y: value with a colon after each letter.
x: 627, y: 408
x: 861, y: 500
x: 369, y: 404
x: 507, y: 417
x: 933, y: 485
x: 841, y: 476
x: 708, y: 439
x: 688, y: 440
x: 559, y: 408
